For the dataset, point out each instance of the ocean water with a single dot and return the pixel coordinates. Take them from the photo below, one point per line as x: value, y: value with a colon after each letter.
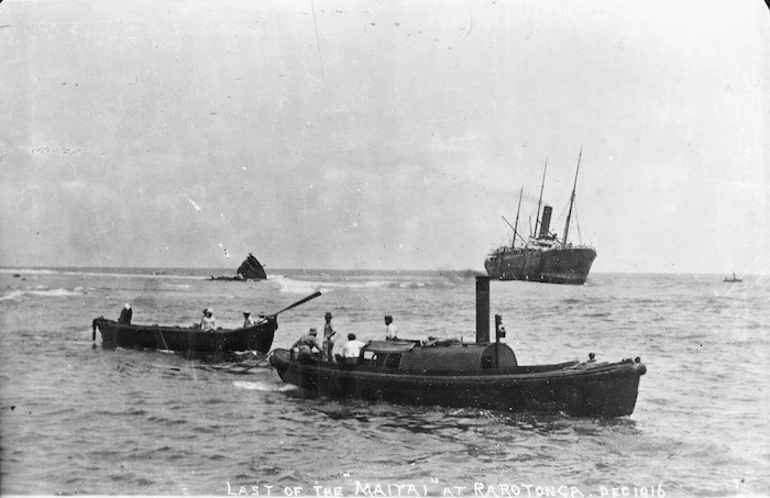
x: 76, y: 419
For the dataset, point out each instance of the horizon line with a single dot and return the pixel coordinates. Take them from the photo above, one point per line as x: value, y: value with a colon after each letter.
x: 454, y: 270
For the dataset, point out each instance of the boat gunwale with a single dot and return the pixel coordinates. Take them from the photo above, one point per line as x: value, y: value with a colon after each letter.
x: 178, y: 328
x: 625, y: 367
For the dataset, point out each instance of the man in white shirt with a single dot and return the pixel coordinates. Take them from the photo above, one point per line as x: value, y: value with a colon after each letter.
x: 351, y: 350
x: 247, y: 320
x: 208, y: 322
x: 391, y: 329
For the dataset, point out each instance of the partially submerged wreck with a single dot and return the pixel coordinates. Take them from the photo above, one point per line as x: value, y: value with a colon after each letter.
x: 250, y: 269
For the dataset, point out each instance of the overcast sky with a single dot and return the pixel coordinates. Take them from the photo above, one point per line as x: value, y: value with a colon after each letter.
x: 382, y: 134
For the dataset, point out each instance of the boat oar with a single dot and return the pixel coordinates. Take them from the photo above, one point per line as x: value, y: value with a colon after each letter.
x: 301, y: 301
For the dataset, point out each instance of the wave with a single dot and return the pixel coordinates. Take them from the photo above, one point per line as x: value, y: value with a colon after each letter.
x: 293, y: 285
x: 177, y: 286
x: 105, y: 272
x: 263, y: 386
x: 411, y: 285
x: 29, y: 271
x: 18, y: 295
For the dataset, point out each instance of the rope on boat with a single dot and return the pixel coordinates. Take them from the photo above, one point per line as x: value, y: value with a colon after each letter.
x: 240, y: 369
x: 93, y: 330
x: 259, y: 363
x: 163, y: 339
x: 267, y: 357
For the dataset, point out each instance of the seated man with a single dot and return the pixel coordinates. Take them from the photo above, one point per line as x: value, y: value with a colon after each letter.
x: 247, y: 320
x: 351, y: 350
x: 208, y: 322
x: 305, y: 346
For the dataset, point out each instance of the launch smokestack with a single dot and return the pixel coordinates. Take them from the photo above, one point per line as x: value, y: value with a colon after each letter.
x: 482, y: 308
x: 546, y: 223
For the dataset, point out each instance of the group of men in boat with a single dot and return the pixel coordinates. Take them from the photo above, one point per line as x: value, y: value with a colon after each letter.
x: 309, y: 349
x: 208, y: 322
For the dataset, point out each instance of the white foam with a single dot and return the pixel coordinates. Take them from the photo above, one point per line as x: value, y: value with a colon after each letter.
x: 13, y: 296
x: 19, y: 294
x: 292, y: 286
x: 28, y: 271
x: 177, y: 286
x: 263, y: 386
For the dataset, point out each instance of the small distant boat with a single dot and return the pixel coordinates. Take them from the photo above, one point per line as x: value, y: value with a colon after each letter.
x: 732, y: 279
x: 459, y: 374
x: 250, y: 269
x: 258, y: 337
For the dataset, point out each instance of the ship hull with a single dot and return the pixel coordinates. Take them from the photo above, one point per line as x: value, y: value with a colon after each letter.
x: 558, y: 266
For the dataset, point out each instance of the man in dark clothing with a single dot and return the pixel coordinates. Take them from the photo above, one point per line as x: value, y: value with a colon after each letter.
x: 329, y: 333
x: 305, y: 346
x: 125, y: 315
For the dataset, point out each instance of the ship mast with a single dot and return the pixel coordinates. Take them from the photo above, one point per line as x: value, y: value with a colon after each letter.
x: 571, y: 200
x: 542, y: 184
x: 516, y: 225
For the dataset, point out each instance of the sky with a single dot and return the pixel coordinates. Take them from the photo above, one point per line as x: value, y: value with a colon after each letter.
x: 382, y: 134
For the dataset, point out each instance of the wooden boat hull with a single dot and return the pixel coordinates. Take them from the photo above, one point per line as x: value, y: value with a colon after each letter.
x: 257, y: 338
x: 602, y: 391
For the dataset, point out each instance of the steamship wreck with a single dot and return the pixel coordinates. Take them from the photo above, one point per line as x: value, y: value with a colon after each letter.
x: 250, y: 269
x: 543, y: 257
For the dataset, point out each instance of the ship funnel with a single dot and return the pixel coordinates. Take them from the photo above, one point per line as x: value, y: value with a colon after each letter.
x: 546, y: 223
x: 482, y: 309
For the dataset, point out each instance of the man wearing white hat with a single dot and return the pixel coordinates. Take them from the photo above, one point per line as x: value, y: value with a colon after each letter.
x: 125, y: 315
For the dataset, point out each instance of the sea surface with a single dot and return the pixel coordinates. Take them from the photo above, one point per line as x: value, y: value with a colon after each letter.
x: 77, y: 419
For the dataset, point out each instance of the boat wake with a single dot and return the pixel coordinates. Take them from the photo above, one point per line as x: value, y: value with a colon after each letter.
x: 263, y: 386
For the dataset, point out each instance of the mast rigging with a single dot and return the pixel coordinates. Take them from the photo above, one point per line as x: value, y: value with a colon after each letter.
x: 516, y: 226
x: 542, y: 184
x: 571, y: 200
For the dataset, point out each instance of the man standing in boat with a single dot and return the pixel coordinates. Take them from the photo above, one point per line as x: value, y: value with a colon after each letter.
x: 125, y: 315
x: 329, y: 334
x: 247, y: 320
x: 391, y: 329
